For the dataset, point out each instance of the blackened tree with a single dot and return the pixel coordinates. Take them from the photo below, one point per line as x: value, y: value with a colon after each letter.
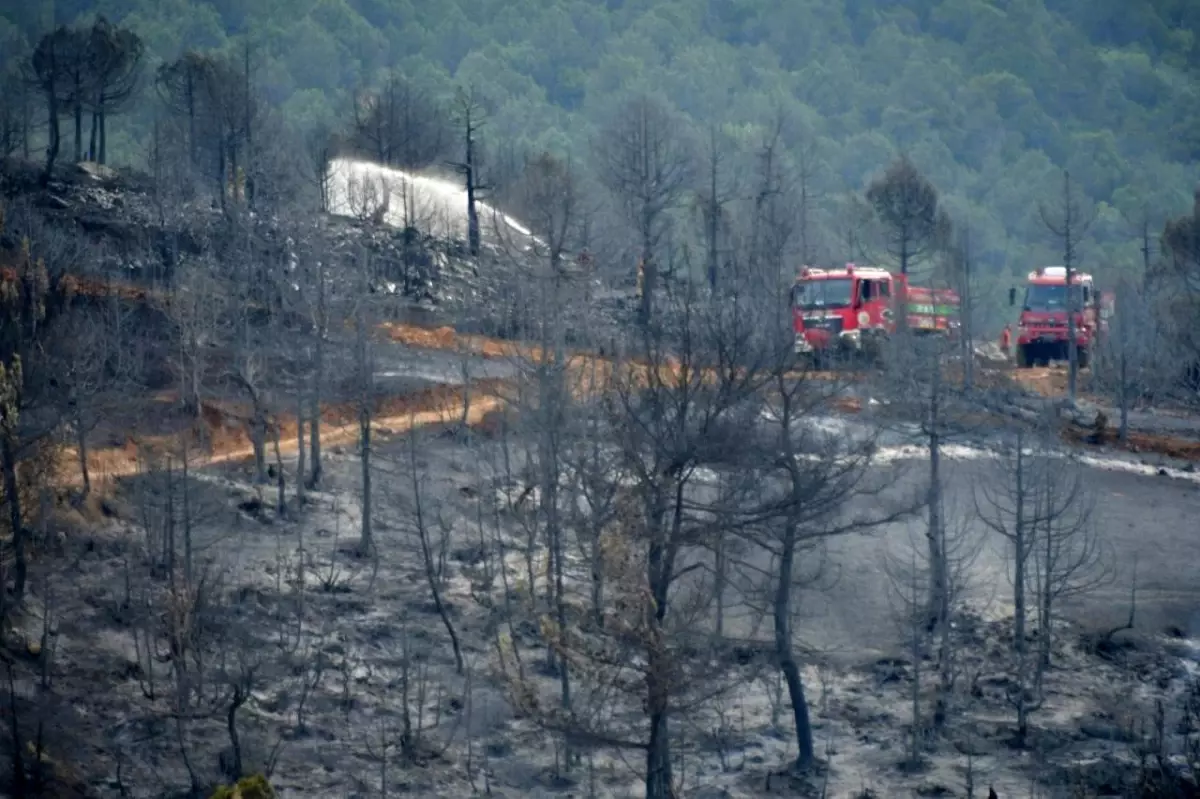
x: 115, y: 56
x: 907, y: 205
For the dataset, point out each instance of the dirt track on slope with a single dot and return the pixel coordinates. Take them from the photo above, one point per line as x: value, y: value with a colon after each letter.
x: 222, y: 433
x: 223, y: 436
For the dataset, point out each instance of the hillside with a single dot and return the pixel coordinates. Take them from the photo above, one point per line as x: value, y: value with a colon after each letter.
x: 343, y: 445
x: 991, y: 99
x: 354, y: 589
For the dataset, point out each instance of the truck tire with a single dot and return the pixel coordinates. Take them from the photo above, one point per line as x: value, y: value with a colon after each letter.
x: 1082, y: 358
x: 1024, y: 361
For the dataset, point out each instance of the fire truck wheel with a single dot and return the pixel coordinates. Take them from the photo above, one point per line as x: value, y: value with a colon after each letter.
x: 1024, y: 361
x: 1082, y: 358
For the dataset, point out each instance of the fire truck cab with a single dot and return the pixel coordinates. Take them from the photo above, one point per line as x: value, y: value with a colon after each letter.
x: 1042, y: 335
x: 852, y: 310
x: 841, y: 309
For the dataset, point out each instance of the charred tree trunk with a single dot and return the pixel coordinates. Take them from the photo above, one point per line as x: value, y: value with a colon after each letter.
x: 81, y: 444
x: 54, y: 134
x: 366, y: 542
x: 300, y: 465
x: 258, y: 439
x: 191, y: 117
x: 472, y: 207
x: 92, y: 138
x: 78, y: 114
x: 103, y: 155
x: 659, y: 778
x: 221, y: 170
x: 314, y: 437
x: 235, y: 703
x: 786, y: 656
x: 649, y: 277
x: 1020, y: 555
x: 8, y: 456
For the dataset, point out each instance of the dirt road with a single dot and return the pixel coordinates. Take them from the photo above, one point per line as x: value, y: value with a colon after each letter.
x: 1144, y: 520
x: 436, y: 406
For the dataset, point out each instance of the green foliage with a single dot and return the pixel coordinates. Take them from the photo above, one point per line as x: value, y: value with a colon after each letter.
x: 989, y: 99
x: 253, y: 787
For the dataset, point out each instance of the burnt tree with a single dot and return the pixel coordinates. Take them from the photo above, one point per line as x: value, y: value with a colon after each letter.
x: 77, y: 73
x: 647, y: 165
x: 29, y: 301
x: 399, y: 125
x: 179, y: 84
x: 1181, y: 306
x: 906, y: 203
x: 221, y: 106
x: 470, y: 116
x: 49, y: 72
x: 1068, y: 224
x: 15, y: 115
x: 712, y: 202
x: 116, y: 64
x: 550, y: 200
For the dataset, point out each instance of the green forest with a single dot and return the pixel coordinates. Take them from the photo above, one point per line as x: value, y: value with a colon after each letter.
x: 991, y: 99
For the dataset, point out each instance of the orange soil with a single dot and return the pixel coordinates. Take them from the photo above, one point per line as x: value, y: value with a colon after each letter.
x: 1180, y: 448
x: 90, y: 287
x: 1045, y: 380
x: 222, y: 436
x: 226, y: 436
x: 1050, y: 382
x: 847, y: 404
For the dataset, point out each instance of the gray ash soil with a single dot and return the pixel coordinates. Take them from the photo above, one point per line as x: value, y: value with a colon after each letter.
x: 331, y: 661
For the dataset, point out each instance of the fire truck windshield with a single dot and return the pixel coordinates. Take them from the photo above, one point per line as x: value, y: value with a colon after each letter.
x: 827, y: 293
x: 1043, y: 297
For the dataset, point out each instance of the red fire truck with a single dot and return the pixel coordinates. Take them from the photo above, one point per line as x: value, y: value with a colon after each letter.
x: 1042, y: 334
x: 852, y: 309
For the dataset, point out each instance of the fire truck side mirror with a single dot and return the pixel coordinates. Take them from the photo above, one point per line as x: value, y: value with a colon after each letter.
x: 1012, y: 297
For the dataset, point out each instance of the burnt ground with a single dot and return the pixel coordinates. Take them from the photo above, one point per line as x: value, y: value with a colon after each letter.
x: 333, y: 656
x: 1153, y: 427
x: 327, y: 661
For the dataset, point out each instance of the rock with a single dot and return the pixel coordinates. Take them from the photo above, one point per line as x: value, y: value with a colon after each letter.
x: 97, y: 172
x: 1105, y: 776
x: 52, y: 202
x: 887, y: 670
x: 975, y: 745
x: 1103, y: 731
x: 712, y: 792
x: 252, y: 505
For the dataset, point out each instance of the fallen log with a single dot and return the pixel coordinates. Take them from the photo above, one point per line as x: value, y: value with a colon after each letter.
x: 1034, y: 409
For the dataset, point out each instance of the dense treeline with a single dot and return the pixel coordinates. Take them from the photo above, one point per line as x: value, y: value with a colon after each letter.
x: 990, y: 100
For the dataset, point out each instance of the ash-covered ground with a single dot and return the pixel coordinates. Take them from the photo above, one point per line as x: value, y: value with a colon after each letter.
x: 325, y: 648
x: 189, y: 601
